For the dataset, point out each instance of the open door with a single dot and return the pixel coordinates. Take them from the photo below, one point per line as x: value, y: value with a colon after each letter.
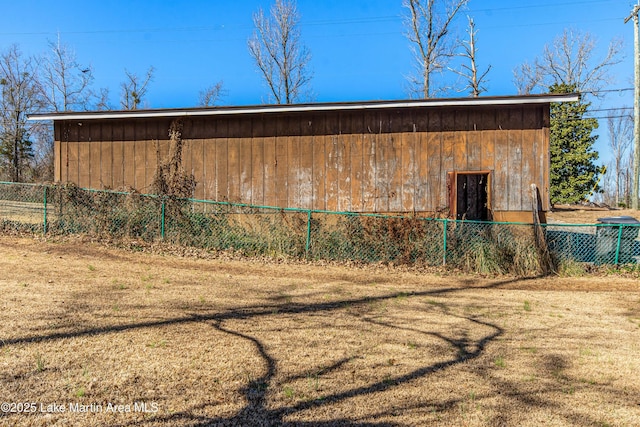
x: 469, y: 195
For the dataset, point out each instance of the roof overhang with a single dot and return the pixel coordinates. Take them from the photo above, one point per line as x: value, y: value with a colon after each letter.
x: 318, y: 107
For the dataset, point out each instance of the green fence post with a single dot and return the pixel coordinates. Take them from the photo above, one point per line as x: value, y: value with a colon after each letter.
x: 444, y: 243
x: 618, y: 245
x: 162, y: 215
x: 306, y: 249
x: 45, y: 210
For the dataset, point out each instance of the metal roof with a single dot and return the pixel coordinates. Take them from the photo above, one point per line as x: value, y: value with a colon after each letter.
x: 300, y: 108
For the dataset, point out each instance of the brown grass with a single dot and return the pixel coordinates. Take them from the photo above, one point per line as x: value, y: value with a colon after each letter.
x: 586, y: 214
x: 25, y: 212
x: 227, y: 342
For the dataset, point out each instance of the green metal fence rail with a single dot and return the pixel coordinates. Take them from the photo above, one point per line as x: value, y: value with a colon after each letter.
x: 312, y: 234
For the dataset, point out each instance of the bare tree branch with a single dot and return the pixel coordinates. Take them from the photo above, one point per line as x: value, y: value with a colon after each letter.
x: 569, y: 60
x: 474, y: 82
x: 428, y: 24
x: 278, y: 53
x: 65, y: 82
x: 133, y: 89
x: 210, y: 96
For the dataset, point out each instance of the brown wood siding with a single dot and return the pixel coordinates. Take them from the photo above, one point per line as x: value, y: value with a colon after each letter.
x: 270, y: 162
x: 257, y: 161
x: 366, y: 161
x: 319, y: 176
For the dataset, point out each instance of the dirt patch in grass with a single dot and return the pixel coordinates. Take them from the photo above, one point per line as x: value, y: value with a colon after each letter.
x: 145, y: 339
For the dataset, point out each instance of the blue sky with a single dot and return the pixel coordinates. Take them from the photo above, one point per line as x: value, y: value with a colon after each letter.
x: 358, y: 47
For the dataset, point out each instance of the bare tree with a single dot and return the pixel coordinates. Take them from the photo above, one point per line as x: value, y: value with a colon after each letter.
x: 21, y: 95
x: 65, y: 86
x: 211, y: 95
x: 102, y: 100
x: 65, y: 82
x: 569, y: 60
x: 620, y: 129
x: 134, y: 89
x: 279, y: 54
x: 469, y: 70
x: 527, y: 77
x: 429, y: 30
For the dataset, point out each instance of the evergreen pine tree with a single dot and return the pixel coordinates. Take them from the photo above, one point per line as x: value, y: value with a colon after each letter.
x: 574, y: 173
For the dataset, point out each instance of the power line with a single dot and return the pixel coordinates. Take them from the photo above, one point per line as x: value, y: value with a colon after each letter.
x: 626, y: 89
x: 303, y: 23
x: 597, y: 110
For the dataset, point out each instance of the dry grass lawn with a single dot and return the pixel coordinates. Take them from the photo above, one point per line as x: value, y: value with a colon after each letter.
x: 235, y: 342
x: 586, y: 215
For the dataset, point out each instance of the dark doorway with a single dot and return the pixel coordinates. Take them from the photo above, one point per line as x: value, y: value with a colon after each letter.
x: 472, y: 196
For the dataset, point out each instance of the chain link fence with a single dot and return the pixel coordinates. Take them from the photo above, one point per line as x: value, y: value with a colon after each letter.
x: 485, y: 247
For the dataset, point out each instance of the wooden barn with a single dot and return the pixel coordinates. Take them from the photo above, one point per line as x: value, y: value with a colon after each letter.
x: 472, y: 158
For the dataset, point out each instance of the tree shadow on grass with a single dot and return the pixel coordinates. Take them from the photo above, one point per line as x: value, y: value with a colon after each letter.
x: 256, y: 410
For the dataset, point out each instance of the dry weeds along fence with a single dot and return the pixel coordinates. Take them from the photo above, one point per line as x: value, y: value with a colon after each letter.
x: 484, y: 247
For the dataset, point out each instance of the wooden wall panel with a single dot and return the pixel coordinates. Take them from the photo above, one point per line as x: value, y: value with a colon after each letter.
x: 282, y: 166
x: 234, y: 161
x: 245, y: 148
x: 118, y: 157
x: 257, y: 161
x: 187, y: 152
x: 129, y: 155
x: 528, y: 168
x: 394, y: 162
x: 84, y: 159
x: 270, y: 163
x: 106, y: 157
x: 447, y: 153
x: 150, y: 137
x: 461, y: 153
x: 331, y: 143
x: 488, y: 137
x: 356, y: 137
x: 306, y: 163
x: 74, y: 161
x: 514, y: 162
x: 84, y: 155
x: 332, y: 151
x: 72, y: 154
x: 501, y: 174
x: 197, y: 167
x: 532, y: 119
x: 369, y: 162
x: 210, y: 144
x: 94, y: 141
x: 282, y: 163
x: 222, y: 158
x: 343, y: 162
x: 294, y: 173
x: 421, y: 162
x: 140, y: 158
x: 381, y: 144
x: 163, y: 147
x: 319, y: 164
x: 475, y: 142
x: 436, y: 196
x: 408, y: 163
